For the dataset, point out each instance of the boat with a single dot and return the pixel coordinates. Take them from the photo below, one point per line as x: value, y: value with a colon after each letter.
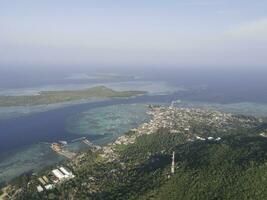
x: 63, y: 142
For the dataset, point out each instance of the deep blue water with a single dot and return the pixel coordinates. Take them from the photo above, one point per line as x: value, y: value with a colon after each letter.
x: 221, y: 87
x: 50, y: 126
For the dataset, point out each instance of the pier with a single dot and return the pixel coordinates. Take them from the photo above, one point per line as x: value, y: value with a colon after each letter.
x: 84, y: 140
x: 56, y: 147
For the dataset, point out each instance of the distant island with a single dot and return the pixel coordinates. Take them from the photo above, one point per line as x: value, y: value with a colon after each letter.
x: 51, y: 97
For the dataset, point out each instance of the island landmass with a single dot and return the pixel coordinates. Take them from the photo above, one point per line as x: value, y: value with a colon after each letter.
x: 52, y: 97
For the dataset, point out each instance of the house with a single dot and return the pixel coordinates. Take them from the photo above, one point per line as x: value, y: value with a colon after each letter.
x: 40, y: 188
x: 58, y: 174
x: 49, y: 187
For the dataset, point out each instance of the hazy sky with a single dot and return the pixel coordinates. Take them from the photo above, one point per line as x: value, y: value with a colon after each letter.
x: 181, y: 33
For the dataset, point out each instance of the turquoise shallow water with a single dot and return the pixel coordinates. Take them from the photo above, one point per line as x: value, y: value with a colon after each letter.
x: 25, y: 159
x: 32, y: 158
x: 110, y: 121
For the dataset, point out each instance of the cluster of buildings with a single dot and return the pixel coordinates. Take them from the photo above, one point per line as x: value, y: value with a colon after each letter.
x: 57, y: 176
x: 180, y: 120
x: 193, y: 121
x: 208, y: 138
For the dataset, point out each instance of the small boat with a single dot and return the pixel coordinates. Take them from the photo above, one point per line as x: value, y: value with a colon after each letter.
x: 63, y: 142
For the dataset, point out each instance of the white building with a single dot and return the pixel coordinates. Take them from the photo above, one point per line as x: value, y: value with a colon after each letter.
x: 58, y: 174
x: 49, y: 187
x: 40, y: 188
x: 62, y: 169
x: 66, y: 173
x: 200, y: 138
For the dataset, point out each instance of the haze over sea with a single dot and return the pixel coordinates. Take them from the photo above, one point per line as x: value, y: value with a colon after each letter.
x: 229, y: 85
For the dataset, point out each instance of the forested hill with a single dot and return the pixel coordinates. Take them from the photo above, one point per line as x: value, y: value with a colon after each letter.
x: 233, y: 169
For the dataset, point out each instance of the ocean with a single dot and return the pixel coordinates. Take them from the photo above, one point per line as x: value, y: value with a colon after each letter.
x: 24, y: 138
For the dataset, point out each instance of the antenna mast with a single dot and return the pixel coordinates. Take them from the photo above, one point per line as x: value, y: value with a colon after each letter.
x: 173, y: 162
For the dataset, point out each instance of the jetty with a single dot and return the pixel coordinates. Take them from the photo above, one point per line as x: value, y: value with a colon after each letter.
x: 56, y: 147
x: 84, y: 140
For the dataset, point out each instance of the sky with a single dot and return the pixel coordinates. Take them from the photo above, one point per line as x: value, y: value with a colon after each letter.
x: 215, y: 34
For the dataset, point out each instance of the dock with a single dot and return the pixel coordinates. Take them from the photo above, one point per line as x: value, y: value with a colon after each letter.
x: 56, y: 147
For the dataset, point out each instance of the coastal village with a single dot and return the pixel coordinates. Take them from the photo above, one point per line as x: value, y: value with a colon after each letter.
x: 175, y: 120
x: 179, y: 120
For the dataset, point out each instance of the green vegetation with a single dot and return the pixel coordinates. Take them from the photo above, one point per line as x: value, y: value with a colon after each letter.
x: 50, y: 97
x: 232, y: 169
